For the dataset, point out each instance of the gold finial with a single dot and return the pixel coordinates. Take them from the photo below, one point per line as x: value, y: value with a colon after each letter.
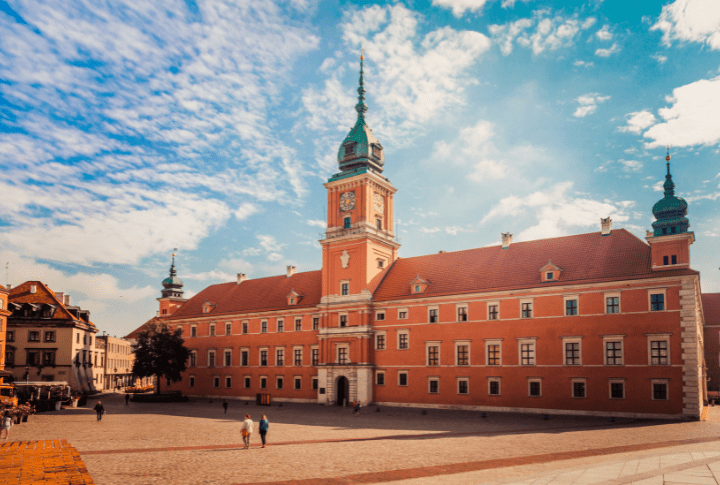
x: 667, y: 157
x: 362, y: 53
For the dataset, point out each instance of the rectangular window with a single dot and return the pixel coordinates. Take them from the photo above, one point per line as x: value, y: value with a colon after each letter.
x: 666, y: 260
x: 378, y: 223
x: 380, y: 316
x: 613, y: 352
x: 657, y: 302
x: 228, y: 329
x: 617, y: 390
x: 211, y: 358
x: 493, y: 311
x: 674, y: 259
x: 279, y: 357
x: 578, y: 389
x: 49, y: 358
x: 462, y: 315
x: 494, y: 387
x: 660, y: 391
x: 315, y: 384
x: 342, y: 355
x: 402, y: 314
x: 380, y: 341
x: 527, y: 310
x: 380, y: 378
x: 263, y: 326
x: 403, y: 340
x: 10, y: 335
x: 191, y: 380
x: 263, y: 383
x: 549, y: 275
x: 245, y: 327
x: 612, y: 304
x: 298, y: 356
x: 298, y: 324
x: 316, y: 323
x: 212, y: 330
x: 297, y: 383
x: 345, y: 289
x: 263, y: 358
x: 571, y: 307
x: 433, y: 385
x: 527, y: 353
x: 402, y: 378
x: 34, y: 337
x: 343, y: 320
x: 493, y: 353
x: 433, y: 315
x: 534, y: 389
x: 315, y: 356
x: 33, y: 357
x: 193, y: 359
x: 244, y: 358
x: 246, y: 383
x: 346, y: 223
x: 193, y: 331
x: 216, y: 381
x: 572, y: 353
x: 49, y: 336
x: 463, y: 354
x: 433, y: 355
x: 281, y: 325
x: 228, y: 358
x: 228, y: 382
x: 659, y: 352
x: 279, y: 382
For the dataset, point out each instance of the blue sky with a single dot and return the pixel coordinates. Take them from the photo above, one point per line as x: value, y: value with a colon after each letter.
x: 128, y: 129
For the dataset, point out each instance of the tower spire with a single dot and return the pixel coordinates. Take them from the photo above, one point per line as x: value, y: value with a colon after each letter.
x: 173, y: 272
x: 669, y: 185
x: 361, y: 108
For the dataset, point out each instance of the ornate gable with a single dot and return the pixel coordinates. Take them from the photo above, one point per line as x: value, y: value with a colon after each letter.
x: 293, y: 297
x: 550, y: 272
x: 418, y: 285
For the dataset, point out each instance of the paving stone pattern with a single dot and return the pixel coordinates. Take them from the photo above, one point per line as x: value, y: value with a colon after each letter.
x: 41, y: 462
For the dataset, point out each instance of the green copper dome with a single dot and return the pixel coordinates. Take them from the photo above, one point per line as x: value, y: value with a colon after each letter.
x: 670, y: 211
x: 172, y: 284
x: 361, y: 149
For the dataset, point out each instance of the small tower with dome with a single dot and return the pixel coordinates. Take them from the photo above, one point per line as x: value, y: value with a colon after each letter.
x: 172, y: 293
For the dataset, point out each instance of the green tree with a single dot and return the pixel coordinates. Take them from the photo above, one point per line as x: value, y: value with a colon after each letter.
x: 161, y: 353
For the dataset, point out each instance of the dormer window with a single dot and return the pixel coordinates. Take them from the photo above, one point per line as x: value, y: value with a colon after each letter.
x: 292, y: 301
x: 350, y: 149
x: 550, y: 272
x: 293, y: 298
x: 377, y: 150
x: 208, y: 306
x: 418, y: 285
x: 550, y: 275
x: 418, y: 288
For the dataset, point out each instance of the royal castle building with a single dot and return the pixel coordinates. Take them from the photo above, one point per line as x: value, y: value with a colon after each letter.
x: 602, y: 323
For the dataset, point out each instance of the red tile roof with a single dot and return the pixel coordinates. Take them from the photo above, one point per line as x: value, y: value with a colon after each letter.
x: 43, y: 295
x: 255, y: 295
x: 711, y: 308
x: 136, y: 333
x: 584, y: 258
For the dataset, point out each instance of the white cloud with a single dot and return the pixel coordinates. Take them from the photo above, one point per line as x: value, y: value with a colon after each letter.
x: 251, y: 252
x: 316, y: 223
x: 660, y: 58
x: 556, y: 211
x: 275, y: 257
x: 269, y: 243
x: 691, y: 21
x: 551, y: 33
x: 511, y: 3
x: 580, y: 63
x: 631, y: 165
x: 692, y: 119
x: 459, y: 7
x: 246, y: 210
x: 588, y: 104
x: 604, y: 33
x: 608, y: 52
x: 638, y: 121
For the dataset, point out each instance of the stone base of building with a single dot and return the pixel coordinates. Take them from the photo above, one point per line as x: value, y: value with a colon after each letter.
x: 353, y: 382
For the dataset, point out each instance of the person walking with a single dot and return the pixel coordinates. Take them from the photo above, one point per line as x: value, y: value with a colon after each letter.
x: 264, y: 425
x: 225, y: 405
x: 99, y: 409
x: 127, y: 399
x: 247, y: 429
x: 5, y: 423
x: 357, y: 407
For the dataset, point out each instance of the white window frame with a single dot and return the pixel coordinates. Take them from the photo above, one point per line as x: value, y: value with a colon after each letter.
x: 524, y: 301
x: 530, y: 381
x: 314, y: 347
x: 378, y: 314
x: 575, y: 380
x: 212, y: 330
x: 295, y: 323
x: 226, y: 328
x: 614, y: 294
x: 403, y: 310
x: 191, y: 381
x: 494, y: 379
x: 297, y: 379
x: 247, y: 380
x: 667, y: 389
x: 377, y: 381
x: 301, y: 348
x: 657, y: 291
x: 616, y: 381
x: 278, y: 348
x: 493, y: 341
x: 260, y: 351
x: 344, y: 282
x: 225, y: 351
x: 458, y: 343
x: 216, y: 382
x: 614, y: 338
x: 382, y: 333
x: 244, y: 324
x: 487, y: 309
x: 260, y: 382
x: 652, y: 337
x: 339, y: 346
x: 437, y: 309
x: 279, y: 379
x: 433, y: 343
x: 457, y: 387
x: 193, y: 331
x: 457, y: 312
x: 245, y: 349
x: 527, y: 340
x: 565, y: 300
x: 403, y: 332
x: 407, y: 378
x: 214, y: 354
x: 263, y: 325
x: 226, y: 382
x: 435, y: 379
x: 278, y: 323
x: 347, y: 319
x: 572, y: 340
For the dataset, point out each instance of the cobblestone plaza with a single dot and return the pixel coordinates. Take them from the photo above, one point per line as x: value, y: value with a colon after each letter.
x: 195, y: 442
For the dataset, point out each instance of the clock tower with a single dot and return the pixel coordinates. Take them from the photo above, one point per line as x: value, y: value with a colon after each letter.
x: 359, y: 244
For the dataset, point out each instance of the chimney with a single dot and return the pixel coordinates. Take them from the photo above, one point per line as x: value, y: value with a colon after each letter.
x: 59, y: 296
x: 241, y: 277
x: 67, y: 300
x: 9, y: 286
x: 649, y: 233
x: 290, y: 271
x: 605, y: 226
x: 33, y: 288
x: 506, y: 240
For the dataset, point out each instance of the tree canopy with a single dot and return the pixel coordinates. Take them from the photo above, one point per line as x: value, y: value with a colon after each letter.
x: 160, y: 352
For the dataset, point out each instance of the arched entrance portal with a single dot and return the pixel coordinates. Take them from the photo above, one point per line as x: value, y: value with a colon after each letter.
x: 342, y: 390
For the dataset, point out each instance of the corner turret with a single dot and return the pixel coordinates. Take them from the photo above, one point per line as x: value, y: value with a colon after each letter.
x: 172, y: 293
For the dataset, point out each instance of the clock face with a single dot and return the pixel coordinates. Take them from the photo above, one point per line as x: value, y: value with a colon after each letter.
x: 347, y: 201
x: 379, y: 202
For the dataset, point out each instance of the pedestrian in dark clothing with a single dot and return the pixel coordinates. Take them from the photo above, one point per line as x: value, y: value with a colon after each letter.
x: 99, y: 409
x: 225, y: 405
x: 357, y: 407
x: 264, y: 425
x: 127, y: 399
